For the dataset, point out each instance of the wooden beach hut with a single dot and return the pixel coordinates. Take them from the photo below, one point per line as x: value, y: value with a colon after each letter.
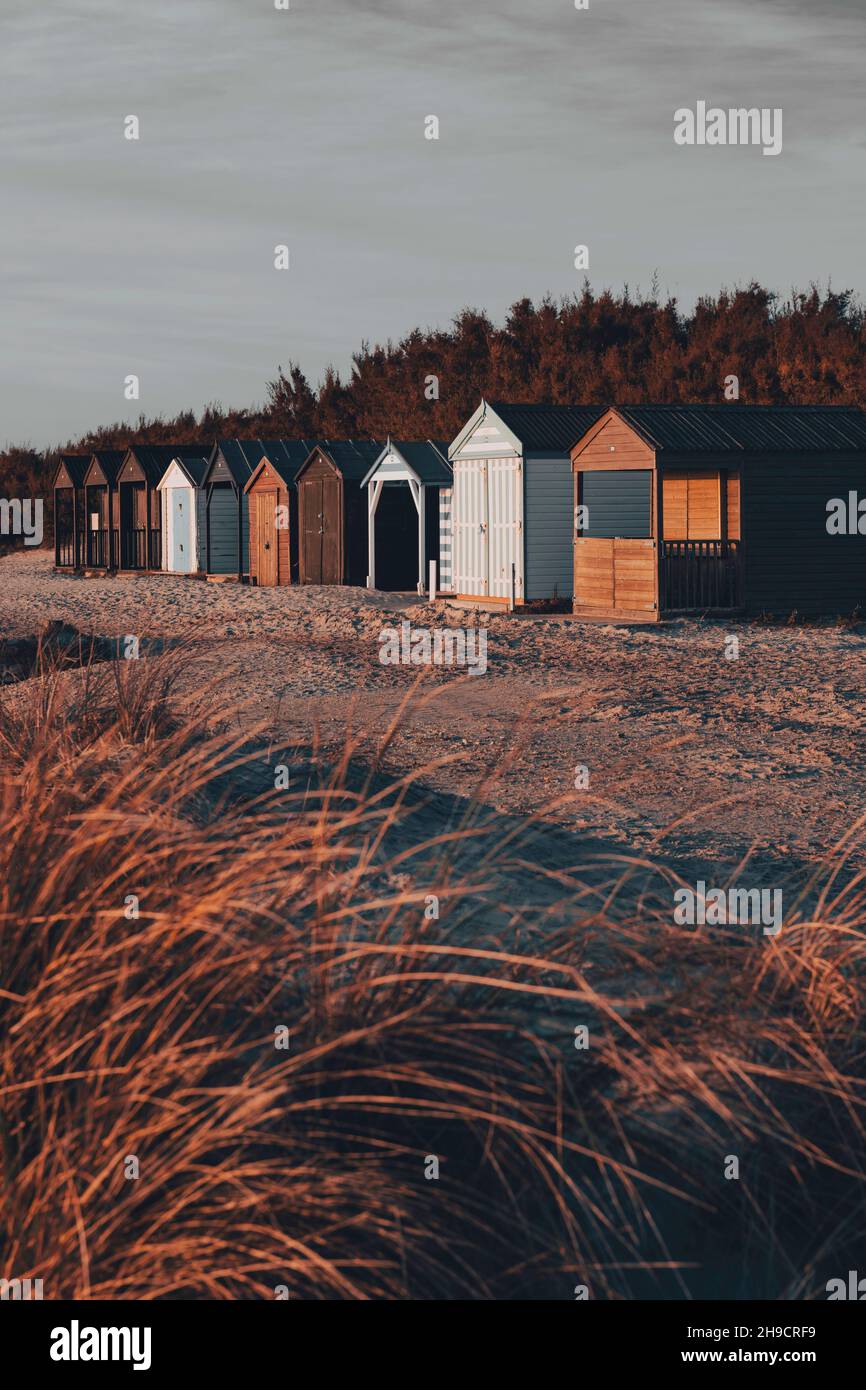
x: 69, y: 513
x: 182, y: 513
x: 716, y: 509
x: 101, y: 540
x: 403, y: 514
x: 230, y: 468
x: 332, y: 512
x: 139, y: 502
x: 272, y: 500
x: 512, y: 527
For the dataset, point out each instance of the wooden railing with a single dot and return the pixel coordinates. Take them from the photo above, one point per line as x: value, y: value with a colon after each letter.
x: 98, y: 550
x: 700, y: 575
x: 67, y: 550
x: 140, y: 549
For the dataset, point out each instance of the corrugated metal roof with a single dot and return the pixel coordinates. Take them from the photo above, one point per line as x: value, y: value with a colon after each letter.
x: 153, y: 459
x: 76, y: 466
x: 429, y: 459
x: 691, y: 429
x: 287, y: 455
x: 194, y: 468
x: 547, y: 427
x: 110, y: 461
x: 352, y: 457
x: 235, y: 453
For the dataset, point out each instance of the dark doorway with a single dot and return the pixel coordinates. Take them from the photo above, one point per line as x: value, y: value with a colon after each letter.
x: 396, y: 539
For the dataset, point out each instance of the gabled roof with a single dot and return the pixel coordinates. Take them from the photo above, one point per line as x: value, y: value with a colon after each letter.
x: 154, y: 459
x: 427, y: 458
x: 352, y: 458
x: 110, y: 461
x: 720, y: 429
x: 287, y: 456
x: 76, y: 466
x: 193, y: 470
x: 533, y: 428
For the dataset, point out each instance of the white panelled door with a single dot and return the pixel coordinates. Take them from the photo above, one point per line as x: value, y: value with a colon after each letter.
x: 487, y: 522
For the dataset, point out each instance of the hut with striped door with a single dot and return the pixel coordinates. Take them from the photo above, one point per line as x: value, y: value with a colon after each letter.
x: 719, y: 508
x: 512, y: 523
x: 332, y: 512
x: 404, y: 487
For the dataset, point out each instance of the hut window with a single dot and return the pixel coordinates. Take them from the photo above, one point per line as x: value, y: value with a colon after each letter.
x: 618, y: 502
x: 691, y: 509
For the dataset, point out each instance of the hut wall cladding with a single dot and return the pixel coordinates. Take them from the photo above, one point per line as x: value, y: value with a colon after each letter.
x: 547, y: 545
x: 269, y: 491
x: 792, y: 563
x: 616, y: 446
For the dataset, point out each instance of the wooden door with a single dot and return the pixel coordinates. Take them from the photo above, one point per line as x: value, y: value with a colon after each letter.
x: 267, y: 570
x: 180, y: 504
x: 331, y: 518
x: 311, y: 530
x: 614, y: 575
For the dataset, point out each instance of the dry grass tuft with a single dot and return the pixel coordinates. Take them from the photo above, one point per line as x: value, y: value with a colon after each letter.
x: 164, y: 910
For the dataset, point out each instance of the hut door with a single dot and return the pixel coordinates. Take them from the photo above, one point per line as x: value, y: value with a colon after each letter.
x: 181, y: 529
x: 311, y: 530
x: 266, y: 538
x: 332, y: 524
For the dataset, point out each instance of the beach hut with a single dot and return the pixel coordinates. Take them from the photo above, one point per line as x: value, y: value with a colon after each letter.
x: 272, y: 499
x: 332, y: 512
x: 403, y: 513
x: 230, y: 468
x: 719, y: 508
x: 139, y: 502
x: 512, y: 525
x: 182, y: 508
x: 69, y: 517
x: 100, y: 509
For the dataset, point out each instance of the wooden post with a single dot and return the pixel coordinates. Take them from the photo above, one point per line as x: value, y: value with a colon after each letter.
x: 432, y: 581
x: 422, y: 535
x: 374, y: 492
x: 513, y: 588
x: 371, y: 539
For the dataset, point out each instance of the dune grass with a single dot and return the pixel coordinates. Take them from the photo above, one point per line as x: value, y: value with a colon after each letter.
x: 233, y: 991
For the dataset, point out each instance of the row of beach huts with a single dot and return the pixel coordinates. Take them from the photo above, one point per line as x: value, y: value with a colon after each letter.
x: 631, y: 512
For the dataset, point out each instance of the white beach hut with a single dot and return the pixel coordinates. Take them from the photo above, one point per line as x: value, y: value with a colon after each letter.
x: 182, y: 502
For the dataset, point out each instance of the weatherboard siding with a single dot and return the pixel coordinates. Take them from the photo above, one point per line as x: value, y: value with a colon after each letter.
x: 445, y: 539
x: 223, y: 530
x: 548, y: 528
x: 485, y: 441
x: 792, y: 563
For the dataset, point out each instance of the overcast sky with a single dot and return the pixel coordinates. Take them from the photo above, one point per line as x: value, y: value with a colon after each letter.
x: 306, y: 127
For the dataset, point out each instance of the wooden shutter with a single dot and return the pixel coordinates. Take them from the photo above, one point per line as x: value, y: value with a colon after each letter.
x: 691, y: 506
